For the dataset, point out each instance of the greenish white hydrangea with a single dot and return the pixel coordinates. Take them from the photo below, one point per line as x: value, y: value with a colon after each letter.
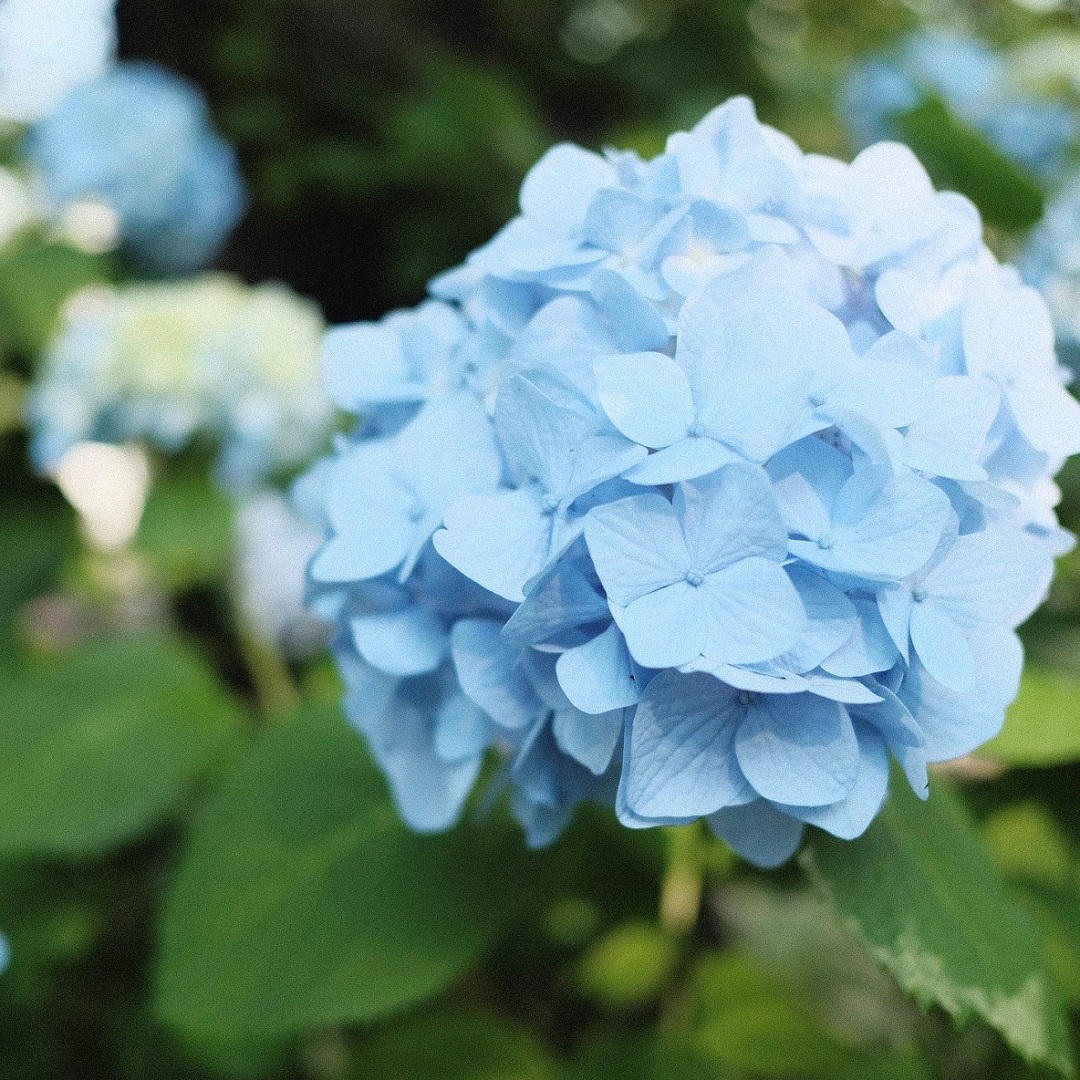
x: 169, y: 362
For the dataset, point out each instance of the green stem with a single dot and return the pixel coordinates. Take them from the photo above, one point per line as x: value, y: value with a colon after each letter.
x: 275, y: 688
x: 683, y: 885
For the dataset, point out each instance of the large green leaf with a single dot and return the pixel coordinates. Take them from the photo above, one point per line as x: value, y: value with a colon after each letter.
x: 98, y: 748
x: 960, y: 157
x: 1042, y: 726
x: 303, y: 901
x: 920, y: 892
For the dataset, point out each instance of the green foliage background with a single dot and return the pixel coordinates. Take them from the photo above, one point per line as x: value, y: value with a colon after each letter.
x: 201, y: 875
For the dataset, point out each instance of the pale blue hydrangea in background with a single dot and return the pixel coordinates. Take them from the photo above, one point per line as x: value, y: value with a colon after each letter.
x: 708, y: 485
x: 274, y: 546
x: 171, y: 362
x: 975, y: 82
x: 1051, y: 262
x: 140, y: 140
x: 49, y: 47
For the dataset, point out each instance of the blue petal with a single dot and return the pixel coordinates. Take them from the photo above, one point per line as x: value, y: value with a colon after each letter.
x: 955, y: 724
x: 559, y: 188
x: 807, y: 479
x: 869, y: 648
x: 646, y: 396
x: 500, y: 541
x: 942, y: 648
x: 636, y: 324
x: 590, y: 740
x: 409, y: 642
x: 847, y: 691
x: 599, y: 677
x: 637, y: 546
x: 491, y: 674
x: 429, y: 792
x: 800, y: 750
x: 616, y: 220
x: 448, y: 451
x: 763, y: 679
x: 369, y: 512
x: 851, y: 816
x: 562, y: 599
x: 682, y: 762
x: 462, y: 730
x: 883, y: 527
x: 759, y: 832
x: 831, y: 620
x: 730, y: 515
x: 684, y: 460
x: 989, y: 580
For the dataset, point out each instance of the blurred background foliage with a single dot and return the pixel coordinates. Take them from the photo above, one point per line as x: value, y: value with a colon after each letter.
x: 200, y: 873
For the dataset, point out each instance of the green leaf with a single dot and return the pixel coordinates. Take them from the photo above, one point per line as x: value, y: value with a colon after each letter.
x: 628, y: 967
x: 921, y: 894
x: 187, y: 529
x: 957, y: 156
x: 35, y: 280
x: 457, y: 1044
x: 1042, y: 726
x: 303, y: 901
x: 97, y: 749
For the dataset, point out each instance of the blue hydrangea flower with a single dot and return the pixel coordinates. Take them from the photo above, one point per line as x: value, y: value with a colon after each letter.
x: 975, y: 83
x: 140, y: 140
x: 709, y: 485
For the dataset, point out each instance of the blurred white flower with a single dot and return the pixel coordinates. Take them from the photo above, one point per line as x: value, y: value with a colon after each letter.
x: 108, y: 486
x: 47, y: 48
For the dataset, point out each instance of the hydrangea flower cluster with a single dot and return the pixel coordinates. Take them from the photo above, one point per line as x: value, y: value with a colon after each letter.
x: 140, y: 141
x: 976, y: 83
x: 170, y: 361
x: 706, y: 486
x: 1051, y: 262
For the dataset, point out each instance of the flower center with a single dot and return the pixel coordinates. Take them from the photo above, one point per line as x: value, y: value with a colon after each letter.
x: 919, y: 595
x: 550, y: 504
x: 695, y: 430
x: 746, y: 698
x: 693, y: 578
x: 825, y: 543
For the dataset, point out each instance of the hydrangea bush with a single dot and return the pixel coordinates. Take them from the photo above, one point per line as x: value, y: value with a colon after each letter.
x: 140, y: 140
x: 170, y: 361
x: 975, y: 82
x: 707, y: 485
